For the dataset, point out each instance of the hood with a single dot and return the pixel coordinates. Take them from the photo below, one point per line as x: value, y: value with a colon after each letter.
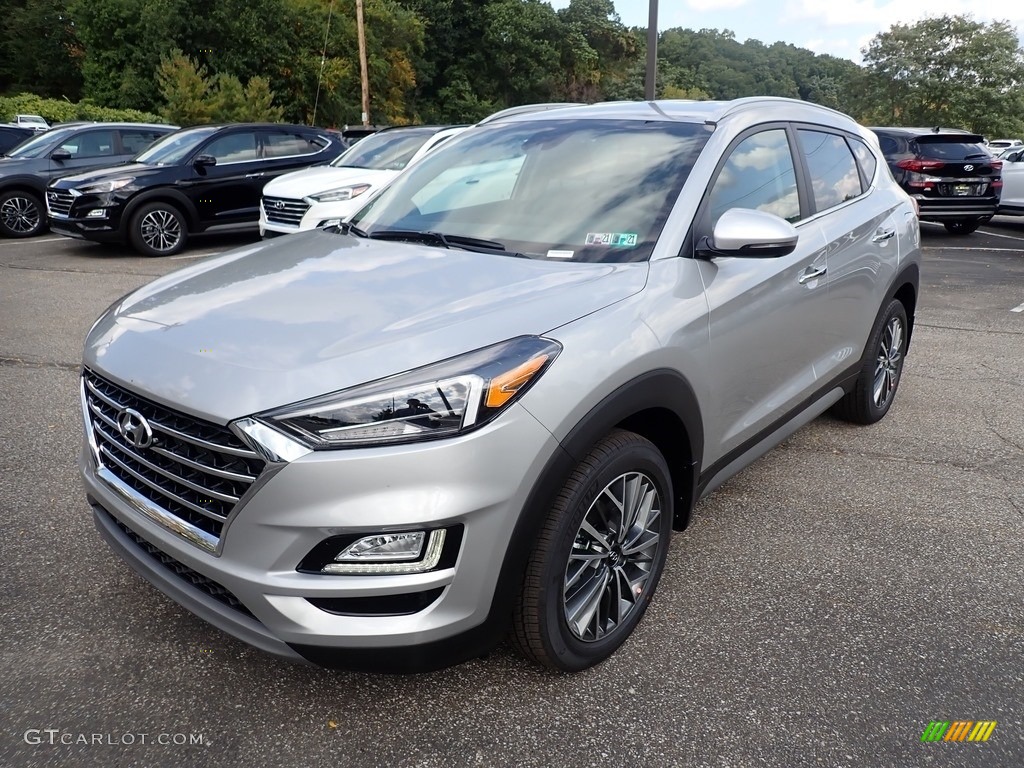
x: 313, y: 181
x: 107, y: 172
x: 12, y: 165
x: 312, y: 313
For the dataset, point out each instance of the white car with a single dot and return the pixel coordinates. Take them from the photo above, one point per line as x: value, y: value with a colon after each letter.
x: 1011, y: 200
x: 35, y: 122
x: 309, y: 198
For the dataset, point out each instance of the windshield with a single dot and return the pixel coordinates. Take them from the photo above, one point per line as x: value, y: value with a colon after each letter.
x: 41, y: 144
x: 388, y: 151
x: 579, y: 190
x: 175, y: 147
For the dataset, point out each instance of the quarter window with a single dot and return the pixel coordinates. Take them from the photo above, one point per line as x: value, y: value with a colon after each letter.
x: 865, y: 158
x: 834, y: 175
x: 759, y: 174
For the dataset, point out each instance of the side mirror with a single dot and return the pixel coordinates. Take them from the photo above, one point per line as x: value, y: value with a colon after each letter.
x: 204, y: 161
x: 60, y: 155
x: 746, y: 233
x: 1014, y: 157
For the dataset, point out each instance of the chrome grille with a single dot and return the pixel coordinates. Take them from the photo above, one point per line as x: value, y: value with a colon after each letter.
x: 195, y: 470
x: 58, y: 202
x: 281, y: 210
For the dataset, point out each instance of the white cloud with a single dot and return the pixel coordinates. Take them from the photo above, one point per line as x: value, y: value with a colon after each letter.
x: 883, y: 15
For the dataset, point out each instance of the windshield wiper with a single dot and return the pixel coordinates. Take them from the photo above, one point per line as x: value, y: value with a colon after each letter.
x: 345, y: 228
x: 428, y: 237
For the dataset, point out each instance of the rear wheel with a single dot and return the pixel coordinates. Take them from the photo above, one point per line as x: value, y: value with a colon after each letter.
x: 598, y: 558
x: 158, y: 229
x: 881, y: 369
x: 962, y: 226
x: 21, y: 214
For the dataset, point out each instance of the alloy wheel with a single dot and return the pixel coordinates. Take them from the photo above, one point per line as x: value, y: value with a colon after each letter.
x: 19, y: 214
x: 890, y: 359
x: 612, y: 557
x: 160, y: 230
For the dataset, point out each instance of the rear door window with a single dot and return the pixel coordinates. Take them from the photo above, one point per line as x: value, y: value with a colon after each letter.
x: 835, y: 177
x: 291, y: 144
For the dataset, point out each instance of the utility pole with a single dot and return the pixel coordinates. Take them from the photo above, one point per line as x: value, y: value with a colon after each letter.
x: 362, y: 62
x: 652, y: 50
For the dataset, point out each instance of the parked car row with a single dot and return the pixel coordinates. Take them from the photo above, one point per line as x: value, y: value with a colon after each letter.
x: 193, y: 180
x: 26, y: 170
x: 104, y: 182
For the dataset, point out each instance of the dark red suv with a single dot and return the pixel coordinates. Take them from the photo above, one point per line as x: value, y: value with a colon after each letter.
x: 950, y: 173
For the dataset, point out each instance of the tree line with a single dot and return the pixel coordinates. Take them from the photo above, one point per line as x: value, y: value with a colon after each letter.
x: 457, y: 60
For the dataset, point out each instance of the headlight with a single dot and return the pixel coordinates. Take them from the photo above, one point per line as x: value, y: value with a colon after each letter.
x: 341, y: 193
x: 440, y: 400
x: 105, y: 186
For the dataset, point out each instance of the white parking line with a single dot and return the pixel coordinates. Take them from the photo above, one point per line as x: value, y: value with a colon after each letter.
x: 1018, y: 309
x: 34, y: 241
x: 968, y: 248
x: 998, y: 234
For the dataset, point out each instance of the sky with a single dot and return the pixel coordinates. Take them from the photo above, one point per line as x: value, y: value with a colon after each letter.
x: 837, y: 27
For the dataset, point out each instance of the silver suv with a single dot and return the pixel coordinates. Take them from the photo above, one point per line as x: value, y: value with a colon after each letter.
x: 485, y: 403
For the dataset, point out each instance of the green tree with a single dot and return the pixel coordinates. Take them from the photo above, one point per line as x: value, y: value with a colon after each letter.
x: 950, y: 71
x: 41, y: 52
x: 258, y: 104
x: 186, y: 89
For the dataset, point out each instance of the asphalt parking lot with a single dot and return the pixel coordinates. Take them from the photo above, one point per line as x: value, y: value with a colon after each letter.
x: 824, y: 606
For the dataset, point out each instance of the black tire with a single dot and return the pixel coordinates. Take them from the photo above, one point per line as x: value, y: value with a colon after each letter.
x: 158, y: 229
x: 620, y: 462
x: 962, y: 226
x: 22, y: 213
x: 881, y: 366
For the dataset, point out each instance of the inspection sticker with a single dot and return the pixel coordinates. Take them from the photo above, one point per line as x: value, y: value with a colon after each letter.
x: 613, y: 239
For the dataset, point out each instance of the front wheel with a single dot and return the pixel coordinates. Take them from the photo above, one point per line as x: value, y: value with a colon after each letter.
x: 881, y: 369
x: 158, y: 229
x: 599, y: 556
x: 21, y: 214
x: 962, y: 226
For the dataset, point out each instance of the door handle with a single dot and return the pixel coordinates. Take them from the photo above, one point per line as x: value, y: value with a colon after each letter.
x: 812, y: 273
x: 253, y: 175
x: 885, y: 234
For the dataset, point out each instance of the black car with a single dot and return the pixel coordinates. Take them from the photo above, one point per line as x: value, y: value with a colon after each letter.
x: 193, y: 180
x: 28, y: 168
x: 950, y: 173
x: 12, y: 135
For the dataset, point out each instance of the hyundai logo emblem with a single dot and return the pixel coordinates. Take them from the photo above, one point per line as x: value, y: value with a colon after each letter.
x: 279, y: 204
x: 134, y: 428
x: 968, y: 167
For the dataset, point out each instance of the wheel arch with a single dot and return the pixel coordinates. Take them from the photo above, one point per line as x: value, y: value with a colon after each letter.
x: 905, y: 289
x: 169, y: 196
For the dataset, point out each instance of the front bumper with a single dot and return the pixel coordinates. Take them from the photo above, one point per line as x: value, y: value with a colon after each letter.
x: 479, y: 481
x: 312, y: 218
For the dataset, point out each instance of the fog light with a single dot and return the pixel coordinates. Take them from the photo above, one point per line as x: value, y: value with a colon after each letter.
x: 97, y: 213
x: 390, y: 553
